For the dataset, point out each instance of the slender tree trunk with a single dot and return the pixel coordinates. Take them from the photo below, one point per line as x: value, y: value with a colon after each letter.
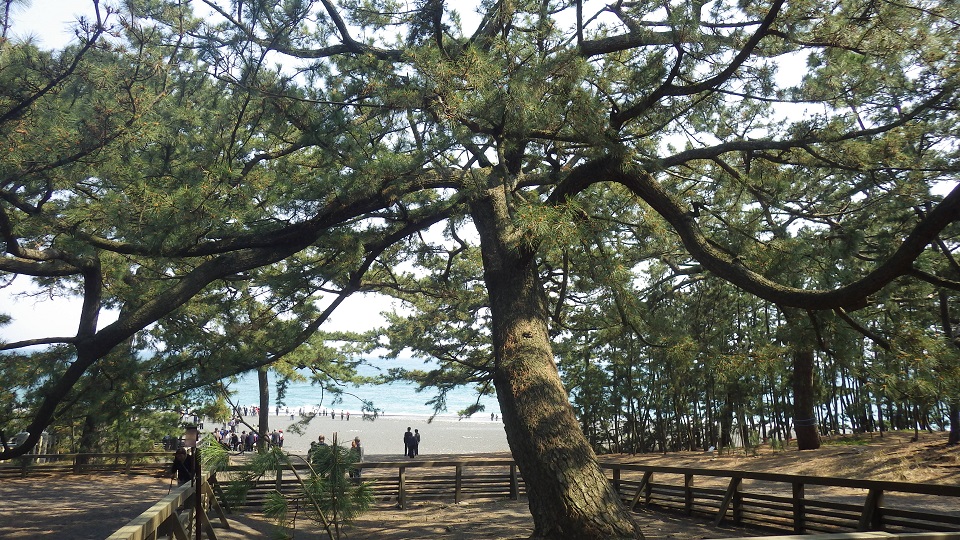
x: 263, y: 419
x: 881, y: 426
x: 569, y: 496
x: 954, y: 437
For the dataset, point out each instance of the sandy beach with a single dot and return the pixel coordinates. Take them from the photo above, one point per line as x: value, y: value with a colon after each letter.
x: 384, y: 435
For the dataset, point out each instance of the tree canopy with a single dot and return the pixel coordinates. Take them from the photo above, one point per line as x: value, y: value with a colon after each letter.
x: 536, y: 180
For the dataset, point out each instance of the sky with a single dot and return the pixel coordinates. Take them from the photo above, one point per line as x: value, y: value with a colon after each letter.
x: 49, y: 21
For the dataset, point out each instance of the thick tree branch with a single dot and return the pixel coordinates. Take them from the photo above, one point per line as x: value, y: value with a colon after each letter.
x: 853, y: 295
x: 92, y: 347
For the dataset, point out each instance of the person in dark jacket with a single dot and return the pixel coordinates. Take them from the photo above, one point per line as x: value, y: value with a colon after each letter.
x: 408, y: 443
x: 182, y: 467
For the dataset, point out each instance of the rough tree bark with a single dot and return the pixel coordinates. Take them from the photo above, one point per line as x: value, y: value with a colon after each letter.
x: 799, y: 336
x: 569, y: 495
x: 804, y: 417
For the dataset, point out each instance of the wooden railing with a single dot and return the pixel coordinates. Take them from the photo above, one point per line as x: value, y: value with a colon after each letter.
x: 400, y: 482
x: 780, y: 502
x: 177, y: 515
x: 49, y: 464
x: 777, y: 502
x: 797, y: 503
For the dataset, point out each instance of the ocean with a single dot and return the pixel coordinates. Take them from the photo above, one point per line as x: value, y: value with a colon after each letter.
x: 394, y: 399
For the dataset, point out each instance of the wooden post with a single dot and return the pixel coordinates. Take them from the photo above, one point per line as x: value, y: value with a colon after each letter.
x: 214, y: 504
x: 458, y: 484
x: 872, y: 517
x: 171, y: 527
x: 643, y: 487
x: 732, y: 491
x: 738, y: 506
x: 198, y: 501
x: 688, y: 493
x: 799, y: 509
x: 514, y: 485
x: 402, y: 494
x: 616, y: 480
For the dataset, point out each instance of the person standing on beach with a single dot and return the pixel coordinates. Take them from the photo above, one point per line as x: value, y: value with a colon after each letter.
x: 357, y: 454
x: 407, y: 438
x: 416, y: 442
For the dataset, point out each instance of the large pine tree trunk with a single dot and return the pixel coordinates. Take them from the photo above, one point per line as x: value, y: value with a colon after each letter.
x: 568, y: 493
x: 804, y: 417
x: 799, y: 337
x: 89, y: 438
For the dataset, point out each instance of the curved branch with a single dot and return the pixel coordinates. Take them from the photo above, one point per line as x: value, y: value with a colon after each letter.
x: 93, y: 347
x: 759, y: 145
x: 872, y: 336
x: 35, y: 342
x: 349, y: 45
x: 853, y: 295
x: 670, y: 89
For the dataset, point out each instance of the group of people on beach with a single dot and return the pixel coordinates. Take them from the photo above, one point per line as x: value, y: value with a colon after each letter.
x: 245, y: 441
x: 320, y: 452
x: 411, y: 443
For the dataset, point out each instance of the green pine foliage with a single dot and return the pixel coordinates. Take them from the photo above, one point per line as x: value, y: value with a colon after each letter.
x: 331, y: 496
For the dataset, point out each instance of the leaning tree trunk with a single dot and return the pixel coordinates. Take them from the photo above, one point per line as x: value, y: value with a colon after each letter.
x: 569, y: 496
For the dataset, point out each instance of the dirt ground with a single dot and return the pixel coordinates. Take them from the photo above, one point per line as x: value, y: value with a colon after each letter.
x: 93, y: 507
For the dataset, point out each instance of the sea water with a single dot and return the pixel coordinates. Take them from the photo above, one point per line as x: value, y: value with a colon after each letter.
x: 394, y: 399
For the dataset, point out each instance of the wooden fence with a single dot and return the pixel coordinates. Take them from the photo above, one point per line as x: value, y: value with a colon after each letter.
x: 148, y: 463
x: 400, y: 482
x: 797, y: 503
x: 776, y: 502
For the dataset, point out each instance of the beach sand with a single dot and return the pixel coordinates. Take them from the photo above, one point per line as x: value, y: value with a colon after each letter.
x: 384, y: 435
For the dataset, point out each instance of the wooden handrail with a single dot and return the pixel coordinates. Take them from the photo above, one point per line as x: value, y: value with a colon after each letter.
x: 78, y: 463
x: 173, y: 514
x: 796, y: 508
x: 790, y: 507
x: 885, y: 485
